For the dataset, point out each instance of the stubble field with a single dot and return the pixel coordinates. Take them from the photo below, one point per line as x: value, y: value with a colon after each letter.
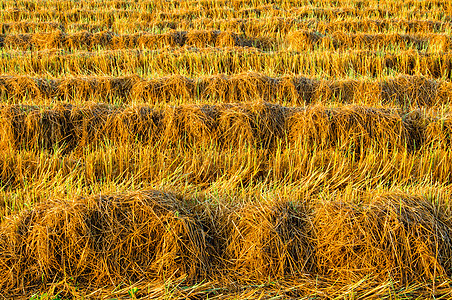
x: 212, y: 149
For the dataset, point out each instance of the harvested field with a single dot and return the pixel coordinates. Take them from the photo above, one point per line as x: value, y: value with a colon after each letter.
x: 269, y: 27
x: 235, y: 4
x: 184, y: 14
x: 109, y: 40
x: 32, y: 127
x: 247, y: 243
x: 297, y: 40
x: 229, y: 61
x: 225, y: 149
x: 306, y: 40
x: 244, y: 87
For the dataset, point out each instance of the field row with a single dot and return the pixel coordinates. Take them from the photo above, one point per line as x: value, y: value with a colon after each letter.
x: 230, y: 61
x: 271, y: 27
x: 147, y: 5
x: 261, y: 125
x: 307, y: 40
x: 297, y: 169
x: 111, y: 15
x: 297, y: 40
x: 406, y: 236
x: 109, y: 40
x: 402, y: 91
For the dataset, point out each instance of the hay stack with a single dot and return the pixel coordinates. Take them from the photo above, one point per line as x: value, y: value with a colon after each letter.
x: 193, y: 124
x: 350, y: 127
x: 202, y: 38
x: 259, y: 124
x: 304, y: 40
x: 164, y: 89
x: 396, y: 236
x: 407, y: 91
x: 440, y: 43
x: 268, y: 241
x: 102, y: 240
x: 110, y: 40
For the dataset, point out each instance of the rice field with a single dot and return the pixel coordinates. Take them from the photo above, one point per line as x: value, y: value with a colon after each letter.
x: 213, y: 149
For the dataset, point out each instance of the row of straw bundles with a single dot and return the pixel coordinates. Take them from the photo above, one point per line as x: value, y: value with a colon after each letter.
x: 151, y: 235
x: 260, y: 124
x: 110, y: 40
x: 403, y: 91
x: 307, y: 40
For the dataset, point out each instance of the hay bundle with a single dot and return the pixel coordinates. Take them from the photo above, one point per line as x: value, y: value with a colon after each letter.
x: 48, y: 128
x: 103, y: 240
x: 216, y: 87
x: 73, y: 88
x: 266, y: 242
x: 298, y: 90
x: 202, y: 38
x: 408, y: 90
x: 230, y: 39
x: 235, y: 125
x: 351, y: 128
x: 47, y: 87
x: 27, y: 26
x: 154, y: 41
x: 90, y: 124
x: 416, y: 123
x: 438, y: 132
x: 363, y: 40
x: 268, y: 123
x: 118, y: 87
x: 344, y: 91
x: 259, y: 124
x: 164, y: 89
x: 304, y: 39
x: 123, y: 41
x: 251, y: 87
x: 409, y: 41
x: 194, y: 124
x: 340, y: 40
x: 102, y: 39
x: 21, y: 86
x: 89, y: 87
x: 136, y: 124
x: 82, y: 39
x: 17, y: 41
x: 12, y: 126
x: 396, y: 236
x: 44, y: 40
x: 440, y: 43
x: 66, y: 126
x: 238, y: 88
x: 444, y: 92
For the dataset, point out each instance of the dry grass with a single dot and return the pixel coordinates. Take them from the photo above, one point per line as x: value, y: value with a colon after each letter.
x: 231, y: 61
x: 266, y: 242
x: 268, y: 27
x: 308, y: 40
x: 225, y: 149
x: 103, y: 240
x: 154, y: 236
x: 236, y: 4
x: 110, y: 40
x: 404, y: 237
x: 174, y: 13
x: 402, y: 91
x: 298, y: 40
x: 259, y: 124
